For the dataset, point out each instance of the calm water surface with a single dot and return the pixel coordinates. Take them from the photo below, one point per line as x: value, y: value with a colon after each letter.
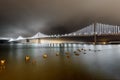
x: 101, y: 62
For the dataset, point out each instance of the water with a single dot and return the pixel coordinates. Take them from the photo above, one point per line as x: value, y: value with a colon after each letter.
x: 99, y: 63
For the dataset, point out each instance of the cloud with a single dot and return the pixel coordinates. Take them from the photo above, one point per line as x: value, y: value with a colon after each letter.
x: 27, y: 17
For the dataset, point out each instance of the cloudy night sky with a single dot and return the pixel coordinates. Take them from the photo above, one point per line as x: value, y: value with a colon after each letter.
x: 27, y: 17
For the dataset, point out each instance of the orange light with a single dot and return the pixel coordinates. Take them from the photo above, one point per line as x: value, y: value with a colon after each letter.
x: 68, y: 56
x: 67, y: 53
x: 45, y: 56
x: 57, y: 54
x: 104, y: 42
x: 27, y: 58
x: 34, y: 62
x: 77, y: 54
x: 2, y: 62
x: 79, y: 50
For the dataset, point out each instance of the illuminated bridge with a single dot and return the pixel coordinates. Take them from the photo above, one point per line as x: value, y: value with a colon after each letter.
x: 94, y: 33
x: 4, y: 40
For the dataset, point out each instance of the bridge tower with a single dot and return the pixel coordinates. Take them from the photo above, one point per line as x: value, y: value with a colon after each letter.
x: 95, y: 39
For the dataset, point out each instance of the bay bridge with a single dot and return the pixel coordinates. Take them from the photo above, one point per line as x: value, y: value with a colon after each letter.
x: 94, y: 33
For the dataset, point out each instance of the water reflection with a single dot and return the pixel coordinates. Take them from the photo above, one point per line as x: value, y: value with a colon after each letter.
x: 60, y: 62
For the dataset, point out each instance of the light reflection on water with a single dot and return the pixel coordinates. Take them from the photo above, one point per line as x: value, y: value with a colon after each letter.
x: 102, y: 62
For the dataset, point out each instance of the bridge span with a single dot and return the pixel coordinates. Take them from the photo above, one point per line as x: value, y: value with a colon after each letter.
x: 75, y: 39
x: 95, y: 33
x: 4, y: 40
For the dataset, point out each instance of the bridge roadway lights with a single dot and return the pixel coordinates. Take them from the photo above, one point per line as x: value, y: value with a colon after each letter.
x: 78, y: 39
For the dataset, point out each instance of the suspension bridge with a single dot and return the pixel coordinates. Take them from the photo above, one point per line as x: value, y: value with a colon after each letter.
x: 94, y: 33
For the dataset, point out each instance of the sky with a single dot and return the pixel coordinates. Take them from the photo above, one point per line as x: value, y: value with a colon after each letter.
x: 27, y: 17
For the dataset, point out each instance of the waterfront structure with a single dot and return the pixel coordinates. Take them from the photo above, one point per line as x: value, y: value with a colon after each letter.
x: 96, y: 32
